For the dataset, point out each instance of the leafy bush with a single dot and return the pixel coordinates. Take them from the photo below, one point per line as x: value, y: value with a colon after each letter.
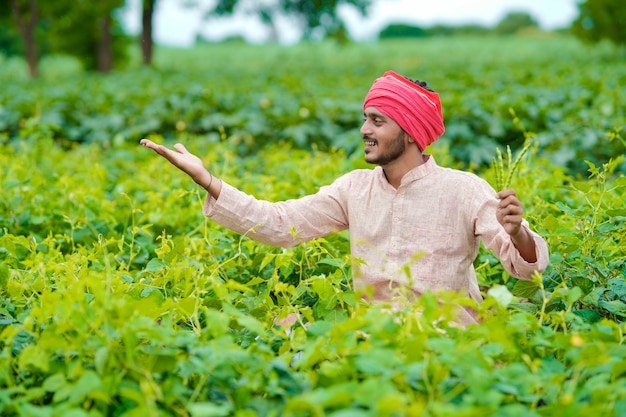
x: 117, y: 298
x: 568, y: 94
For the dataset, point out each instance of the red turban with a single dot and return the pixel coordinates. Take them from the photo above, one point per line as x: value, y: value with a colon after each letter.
x: 416, y: 109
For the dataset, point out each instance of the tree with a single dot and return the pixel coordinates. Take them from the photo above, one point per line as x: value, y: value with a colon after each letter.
x: 26, y: 17
x: 89, y: 31
x: 400, y: 30
x: 601, y: 19
x: 513, y: 22
x: 313, y: 16
x: 85, y: 29
x: 146, y: 40
x: 147, y: 14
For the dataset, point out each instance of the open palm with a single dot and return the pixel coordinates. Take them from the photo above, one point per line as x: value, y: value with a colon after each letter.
x: 181, y: 158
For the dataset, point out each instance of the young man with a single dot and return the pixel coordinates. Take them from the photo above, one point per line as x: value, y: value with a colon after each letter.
x: 406, y: 214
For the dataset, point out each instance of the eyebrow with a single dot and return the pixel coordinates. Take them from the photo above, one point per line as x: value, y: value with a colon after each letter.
x: 374, y: 114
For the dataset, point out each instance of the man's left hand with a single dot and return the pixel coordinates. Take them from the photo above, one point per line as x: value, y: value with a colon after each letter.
x: 510, y: 213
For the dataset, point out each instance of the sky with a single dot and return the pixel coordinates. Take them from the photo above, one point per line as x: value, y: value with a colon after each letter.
x: 176, y: 26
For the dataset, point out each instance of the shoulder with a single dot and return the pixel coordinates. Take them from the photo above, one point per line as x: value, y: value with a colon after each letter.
x: 464, y: 186
x: 358, y: 176
x: 462, y: 178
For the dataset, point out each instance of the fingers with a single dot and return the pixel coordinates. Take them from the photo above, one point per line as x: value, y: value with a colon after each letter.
x: 508, y: 198
x: 162, y: 149
x: 181, y: 148
x: 155, y: 147
x: 147, y: 143
x: 506, y: 193
x: 510, y: 211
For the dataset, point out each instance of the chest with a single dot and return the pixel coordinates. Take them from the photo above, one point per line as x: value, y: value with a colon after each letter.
x: 375, y: 214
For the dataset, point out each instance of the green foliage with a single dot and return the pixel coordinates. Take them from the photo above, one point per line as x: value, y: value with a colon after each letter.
x: 238, y: 92
x: 117, y: 298
x: 10, y: 43
x: 316, y: 19
x: 515, y: 22
x: 67, y: 27
x: 504, y: 174
x: 113, y: 303
x: 601, y: 20
x: 402, y: 31
x: 11, y: 40
x: 76, y: 29
x: 459, y: 30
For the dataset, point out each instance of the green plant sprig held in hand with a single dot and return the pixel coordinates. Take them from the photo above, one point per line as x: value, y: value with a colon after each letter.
x: 503, y: 174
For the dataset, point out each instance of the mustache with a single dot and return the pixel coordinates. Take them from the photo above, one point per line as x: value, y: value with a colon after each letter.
x: 365, y: 137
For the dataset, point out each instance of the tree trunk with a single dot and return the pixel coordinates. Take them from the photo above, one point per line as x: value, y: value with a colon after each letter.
x: 146, y: 31
x: 27, y: 29
x: 105, y: 45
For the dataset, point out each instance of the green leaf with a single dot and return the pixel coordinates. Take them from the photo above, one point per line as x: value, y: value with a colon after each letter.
x: 573, y: 295
x: 322, y: 287
x: 269, y: 257
x: 616, y: 307
x: 618, y: 286
x: 585, y: 284
x: 589, y: 316
x: 155, y: 265
x: 34, y: 356
x: 208, y: 409
x: 501, y: 294
x: 252, y: 324
x: 524, y: 288
x: 319, y: 328
x: 54, y: 382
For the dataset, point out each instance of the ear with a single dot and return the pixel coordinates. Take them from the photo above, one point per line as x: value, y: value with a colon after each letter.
x: 408, y: 138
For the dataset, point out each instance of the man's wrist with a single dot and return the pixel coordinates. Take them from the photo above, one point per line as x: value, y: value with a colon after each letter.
x: 521, y: 236
x: 205, y: 180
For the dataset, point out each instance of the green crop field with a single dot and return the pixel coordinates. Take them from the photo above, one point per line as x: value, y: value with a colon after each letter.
x: 118, y: 298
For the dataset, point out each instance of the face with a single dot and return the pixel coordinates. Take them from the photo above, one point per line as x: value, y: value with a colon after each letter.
x: 384, y: 138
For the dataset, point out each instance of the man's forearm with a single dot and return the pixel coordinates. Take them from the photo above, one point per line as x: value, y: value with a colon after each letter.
x: 525, y: 245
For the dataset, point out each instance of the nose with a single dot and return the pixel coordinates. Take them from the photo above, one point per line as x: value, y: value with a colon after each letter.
x: 365, y: 129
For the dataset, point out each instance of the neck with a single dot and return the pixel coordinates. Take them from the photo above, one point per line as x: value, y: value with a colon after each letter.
x: 395, y: 170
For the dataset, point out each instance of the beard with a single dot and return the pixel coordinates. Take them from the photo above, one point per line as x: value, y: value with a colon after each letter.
x: 393, y: 150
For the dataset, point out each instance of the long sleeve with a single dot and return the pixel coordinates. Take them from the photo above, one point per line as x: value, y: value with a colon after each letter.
x: 284, y: 223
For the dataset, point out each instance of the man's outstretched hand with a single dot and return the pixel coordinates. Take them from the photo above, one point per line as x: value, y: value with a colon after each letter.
x: 184, y: 160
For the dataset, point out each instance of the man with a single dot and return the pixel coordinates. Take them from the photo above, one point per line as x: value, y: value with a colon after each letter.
x: 407, y: 214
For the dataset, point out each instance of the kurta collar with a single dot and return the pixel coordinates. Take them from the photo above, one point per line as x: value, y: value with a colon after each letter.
x: 421, y: 171
x: 417, y: 173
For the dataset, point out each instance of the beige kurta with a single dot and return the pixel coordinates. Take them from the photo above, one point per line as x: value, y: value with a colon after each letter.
x: 432, y: 223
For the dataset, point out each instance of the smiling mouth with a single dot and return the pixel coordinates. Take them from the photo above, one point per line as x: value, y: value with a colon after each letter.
x: 369, y: 142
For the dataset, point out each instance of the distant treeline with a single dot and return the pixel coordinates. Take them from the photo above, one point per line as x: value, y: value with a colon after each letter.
x: 513, y: 23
